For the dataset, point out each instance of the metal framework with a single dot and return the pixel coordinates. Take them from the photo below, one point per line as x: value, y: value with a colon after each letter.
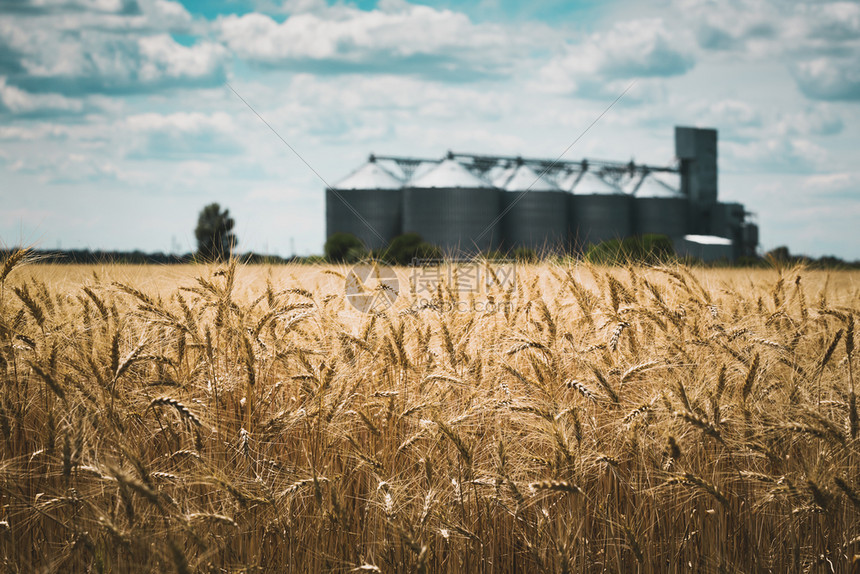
x: 612, y: 171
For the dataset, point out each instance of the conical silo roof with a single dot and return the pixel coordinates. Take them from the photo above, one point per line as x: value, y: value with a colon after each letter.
x: 628, y: 182
x: 494, y: 172
x: 567, y: 179
x: 526, y: 179
x: 592, y: 184
x: 450, y: 174
x: 652, y: 186
x: 500, y: 175
x: 421, y: 170
x: 370, y: 176
x: 392, y: 167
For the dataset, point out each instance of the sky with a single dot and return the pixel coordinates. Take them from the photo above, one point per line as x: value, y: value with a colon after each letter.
x: 121, y: 119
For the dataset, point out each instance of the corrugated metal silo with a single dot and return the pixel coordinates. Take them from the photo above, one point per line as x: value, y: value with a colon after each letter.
x: 599, y: 211
x: 367, y: 204
x: 659, y: 209
x: 453, y: 209
x: 537, y: 212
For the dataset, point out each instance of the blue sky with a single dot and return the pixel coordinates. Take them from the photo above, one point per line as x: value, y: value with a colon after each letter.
x: 117, y: 125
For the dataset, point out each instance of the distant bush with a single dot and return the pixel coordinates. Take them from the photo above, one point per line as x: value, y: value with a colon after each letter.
x: 525, y: 255
x: 344, y: 248
x: 404, y: 249
x: 648, y: 249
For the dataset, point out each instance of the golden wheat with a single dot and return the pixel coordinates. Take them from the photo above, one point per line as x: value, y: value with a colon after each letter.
x: 238, y: 418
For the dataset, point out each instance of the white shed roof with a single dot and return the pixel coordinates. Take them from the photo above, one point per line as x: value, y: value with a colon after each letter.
x: 708, y: 239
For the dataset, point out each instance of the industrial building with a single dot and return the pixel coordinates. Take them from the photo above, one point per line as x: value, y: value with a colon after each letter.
x: 467, y: 204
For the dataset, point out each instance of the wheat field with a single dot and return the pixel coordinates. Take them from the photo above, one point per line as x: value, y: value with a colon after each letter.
x: 246, y: 419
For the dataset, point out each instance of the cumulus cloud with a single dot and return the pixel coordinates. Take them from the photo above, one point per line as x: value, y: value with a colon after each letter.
x: 68, y: 168
x: 181, y: 136
x: 829, y: 78
x: 819, y: 42
x: 54, y: 6
x: 775, y: 154
x: 37, y: 132
x: 729, y: 113
x: 98, y: 62
x: 642, y: 48
x: 76, y: 47
x: 17, y: 102
x: 838, y: 184
x: 410, y: 39
x: 818, y: 120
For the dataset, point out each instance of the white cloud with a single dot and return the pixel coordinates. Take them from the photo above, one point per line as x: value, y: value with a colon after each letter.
x: 181, y: 135
x: 818, y: 120
x: 18, y: 102
x: 33, y: 132
x: 772, y: 154
x: 830, y: 78
x: 409, y: 39
x: 107, y: 47
x: 819, y: 42
x: 727, y: 114
x: 643, y: 48
x: 46, y: 6
x: 103, y: 62
x: 839, y: 184
x: 68, y: 168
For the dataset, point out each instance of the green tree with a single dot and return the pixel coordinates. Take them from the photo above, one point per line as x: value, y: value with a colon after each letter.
x: 344, y: 248
x: 215, y: 238
x: 406, y: 248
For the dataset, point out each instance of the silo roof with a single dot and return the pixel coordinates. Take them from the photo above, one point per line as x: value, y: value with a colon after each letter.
x: 370, y: 176
x: 708, y: 240
x: 499, y: 174
x: 392, y: 167
x: 567, y: 180
x: 450, y: 174
x: 628, y: 182
x: 592, y: 184
x: 526, y: 179
x: 421, y: 169
x: 652, y: 186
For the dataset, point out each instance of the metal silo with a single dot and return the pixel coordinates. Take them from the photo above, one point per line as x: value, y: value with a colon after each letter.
x: 659, y: 209
x: 453, y: 209
x: 367, y: 204
x: 599, y: 211
x: 536, y: 214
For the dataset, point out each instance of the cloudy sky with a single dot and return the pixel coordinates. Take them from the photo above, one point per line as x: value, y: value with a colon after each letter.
x: 117, y: 124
